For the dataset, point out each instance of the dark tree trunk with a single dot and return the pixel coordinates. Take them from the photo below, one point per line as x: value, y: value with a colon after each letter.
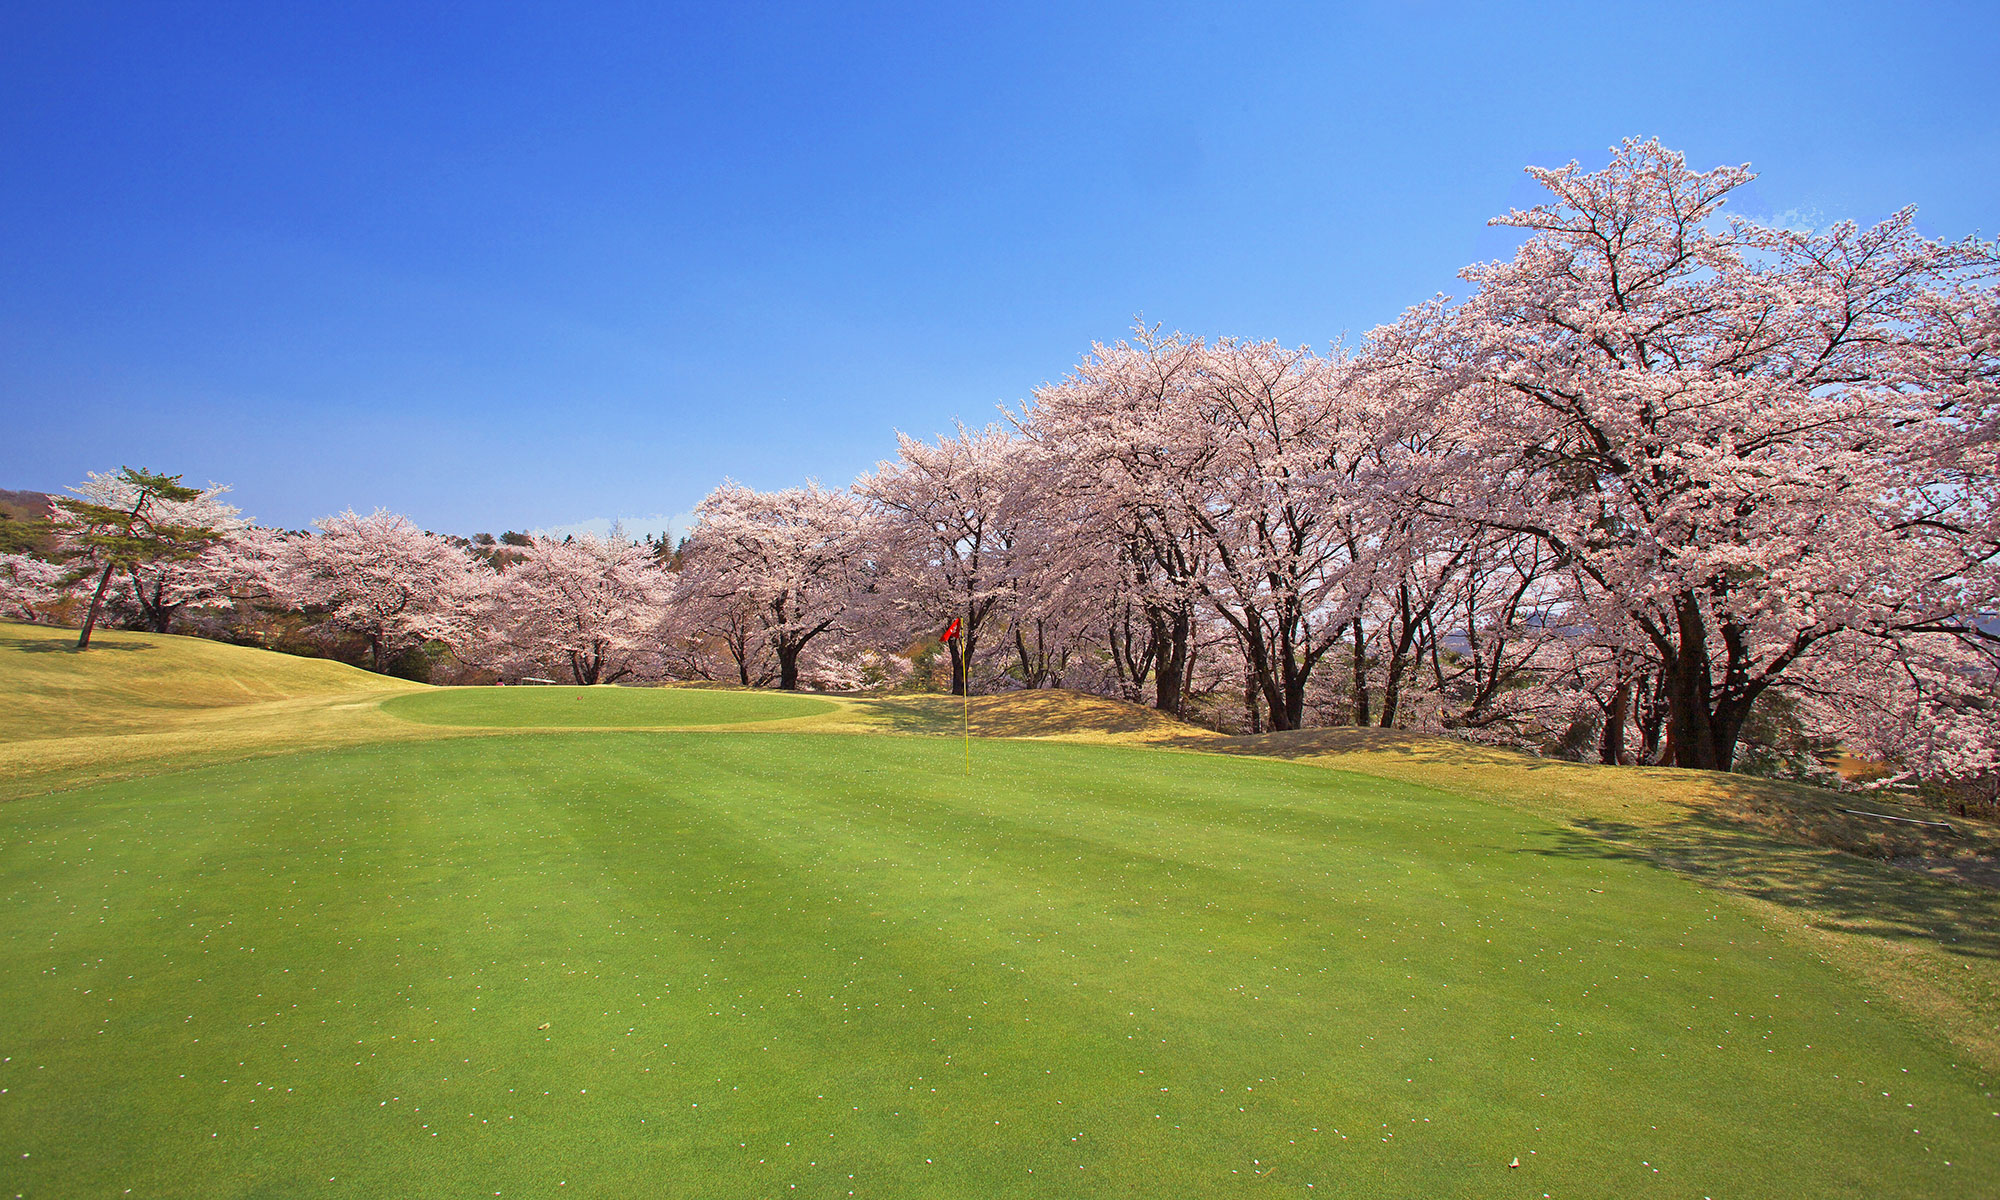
x: 1650, y: 700
x: 1283, y: 680
x: 1262, y: 678
x: 1400, y: 656
x: 1360, y: 675
x: 1702, y: 732
x: 96, y: 603
x: 1284, y: 695
x: 1130, y: 665
x: 1689, y: 732
x: 104, y: 580
x: 1699, y: 739
x: 788, y: 666
x: 1611, y: 744
x: 158, y: 615
x: 1392, y: 685
x: 1039, y: 669
x: 958, y: 661
x: 1295, y: 700
x: 739, y: 652
x: 1171, y: 630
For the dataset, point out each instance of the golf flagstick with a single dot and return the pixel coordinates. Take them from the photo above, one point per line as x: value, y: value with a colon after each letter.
x: 965, y: 709
x: 964, y: 669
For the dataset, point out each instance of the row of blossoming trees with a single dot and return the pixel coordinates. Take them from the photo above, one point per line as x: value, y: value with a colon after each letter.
x: 1660, y: 472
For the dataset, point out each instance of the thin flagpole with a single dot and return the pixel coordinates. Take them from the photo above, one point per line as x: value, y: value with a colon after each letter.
x: 965, y: 702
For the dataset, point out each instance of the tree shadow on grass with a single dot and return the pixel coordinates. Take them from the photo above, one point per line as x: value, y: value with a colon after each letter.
x: 64, y: 643
x: 1837, y: 891
x: 1035, y: 713
x: 1348, y: 739
x: 1817, y: 853
x: 911, y: 714
x: 70, y: 647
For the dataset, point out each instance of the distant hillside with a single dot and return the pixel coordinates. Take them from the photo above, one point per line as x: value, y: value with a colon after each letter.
x: 26, y: 506
x: 24, y: 524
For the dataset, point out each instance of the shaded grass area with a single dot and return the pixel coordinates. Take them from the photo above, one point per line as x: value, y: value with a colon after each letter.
x: 1931, y: 943
x: 1040, y: 713
x: 600, y: 707
x: 1644, y: 794
x: 726, y: 964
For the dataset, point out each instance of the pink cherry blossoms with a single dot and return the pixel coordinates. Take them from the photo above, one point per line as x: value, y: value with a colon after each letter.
x: 1667, y: 485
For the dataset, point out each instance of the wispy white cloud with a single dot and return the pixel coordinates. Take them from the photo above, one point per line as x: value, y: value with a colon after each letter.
x: 674, y: 526
x: 1797, y: 219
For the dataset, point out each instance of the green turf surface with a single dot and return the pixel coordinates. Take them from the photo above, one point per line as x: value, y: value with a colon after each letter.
x: 599, y: 707
x: 838, y: 963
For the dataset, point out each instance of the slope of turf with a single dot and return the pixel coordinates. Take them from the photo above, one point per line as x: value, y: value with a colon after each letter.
x: 599, y: 707
x: 131, y: 682
x: 728, y: 964
x: 141, y: 703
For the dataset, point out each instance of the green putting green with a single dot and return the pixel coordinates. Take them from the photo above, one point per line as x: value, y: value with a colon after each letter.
x: 599, y: 707
x: 733, y: 964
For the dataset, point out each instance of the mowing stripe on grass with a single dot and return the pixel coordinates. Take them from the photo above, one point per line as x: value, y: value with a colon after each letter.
x: 836, y: 962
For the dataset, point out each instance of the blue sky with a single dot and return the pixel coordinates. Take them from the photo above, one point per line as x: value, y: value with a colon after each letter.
x: 532, y: 267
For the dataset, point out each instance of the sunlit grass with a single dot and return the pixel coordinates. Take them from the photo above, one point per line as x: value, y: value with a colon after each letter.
x: 747, y: 939
x: 138, y: 682
x: 723, y: 964
x: 599, y: 707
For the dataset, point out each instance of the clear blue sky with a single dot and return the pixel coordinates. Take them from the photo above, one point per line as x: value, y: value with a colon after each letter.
x: 516, y: 269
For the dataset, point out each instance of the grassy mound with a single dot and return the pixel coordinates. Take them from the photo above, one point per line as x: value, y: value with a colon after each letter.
x: 599, y: 707
x: 140, y: 703
x: 133, y: 682
x: 725, y: 964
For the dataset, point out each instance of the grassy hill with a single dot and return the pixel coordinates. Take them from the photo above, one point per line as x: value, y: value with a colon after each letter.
x: 343, y: 936
x: 139, y: 703
x: 138, y: 682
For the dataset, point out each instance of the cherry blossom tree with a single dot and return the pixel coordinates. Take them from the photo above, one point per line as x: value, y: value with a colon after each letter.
x: 28, y: 586
x: 1254, y: 461
x: 382, y: 579
x: 1097, y: 449
x: 782, y: 568
x: 194, y: 569
x: 700, y: 629
x: 949, y: 516
x: 1924, y: 703
x: 1743, y: 441
x: 591, y: 604
x: 131, y: 522
x: 838, y: 664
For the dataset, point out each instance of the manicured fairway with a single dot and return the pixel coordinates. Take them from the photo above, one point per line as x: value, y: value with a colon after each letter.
x: 598, y: 707
x: 742, y: 964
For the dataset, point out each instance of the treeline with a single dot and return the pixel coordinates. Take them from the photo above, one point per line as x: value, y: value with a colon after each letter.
x: 1665, y: 487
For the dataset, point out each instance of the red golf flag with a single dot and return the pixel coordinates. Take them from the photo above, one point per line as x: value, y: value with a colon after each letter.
x: 950, y: 631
